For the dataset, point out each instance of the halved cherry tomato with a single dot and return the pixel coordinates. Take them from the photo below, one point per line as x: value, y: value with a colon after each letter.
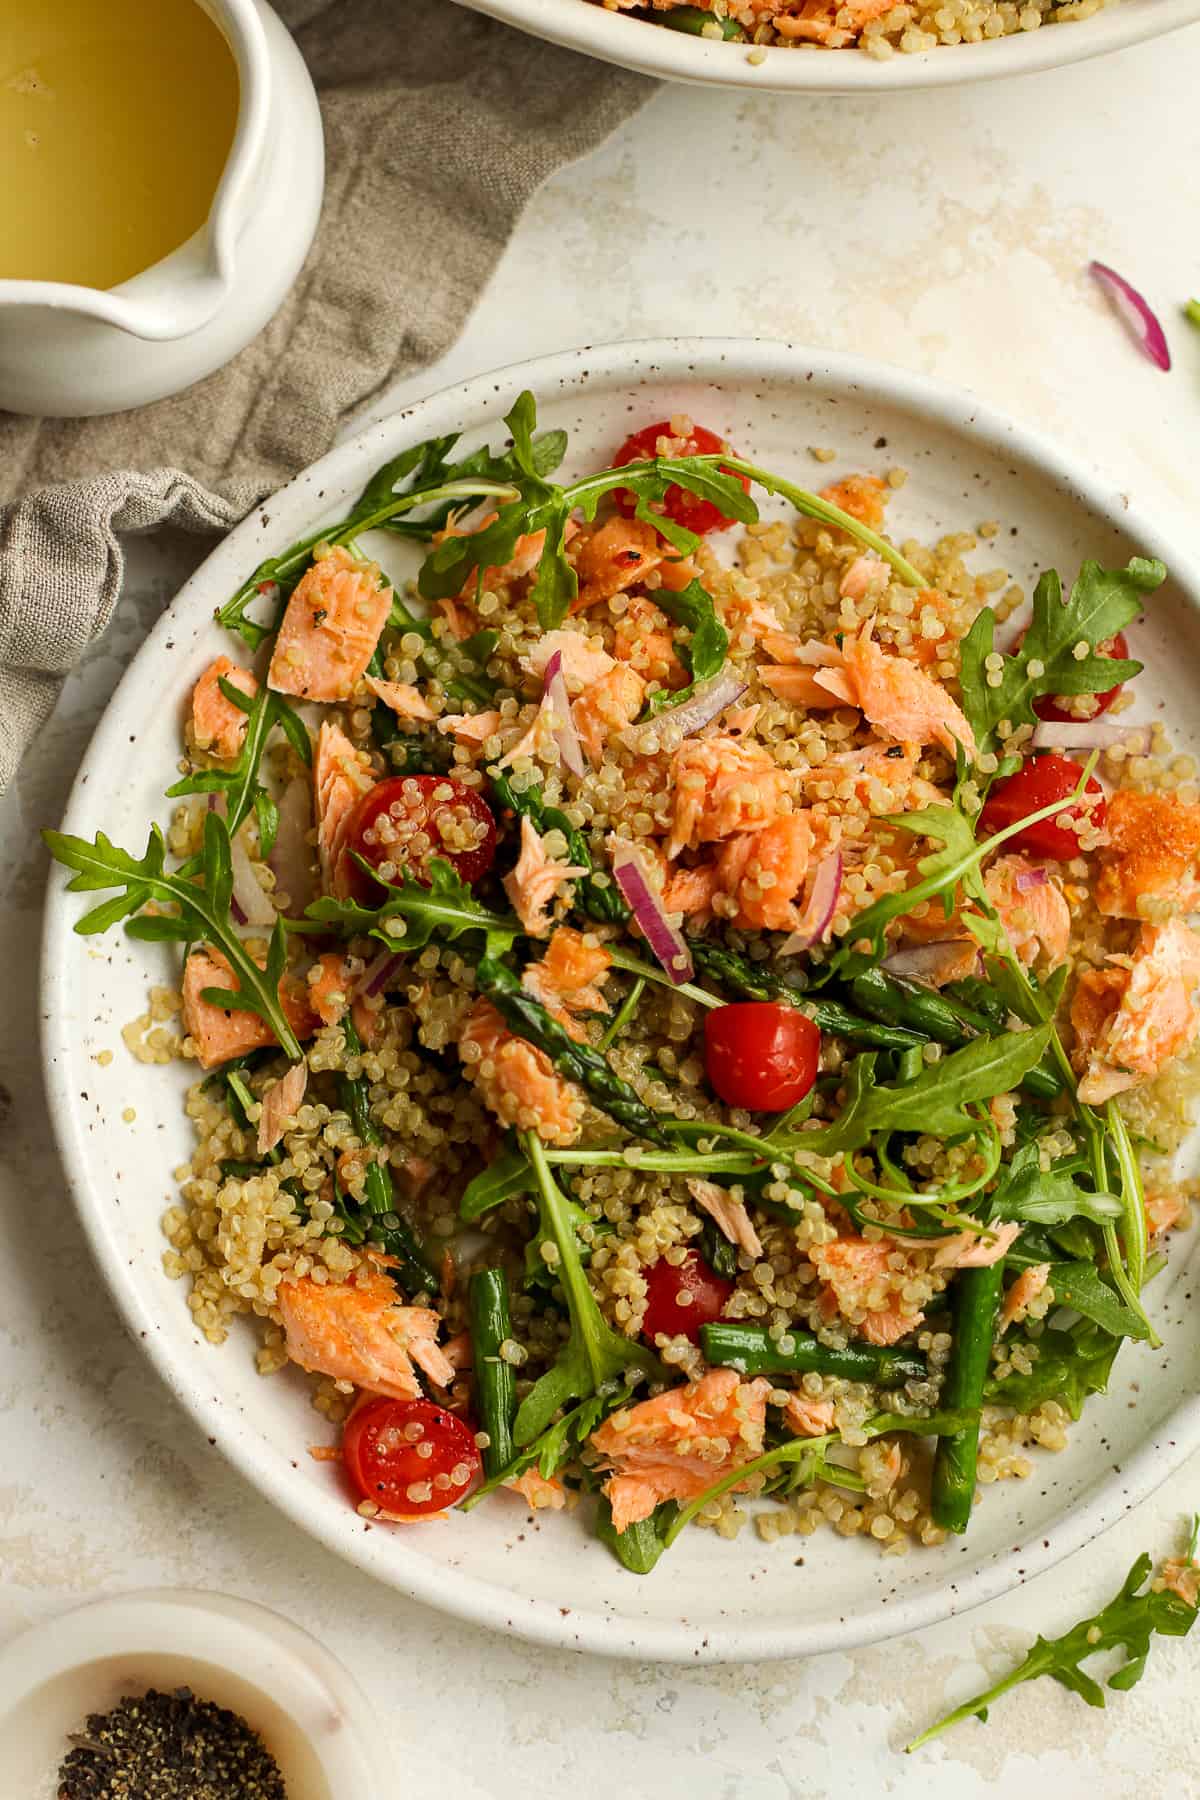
x: 403, y: 822
x: 410, y: 1456
x: 1048, y: 708
x: 1039, y: 782
x: 760, y: 1054
x: 687, y: 509
x: 681, y: 1298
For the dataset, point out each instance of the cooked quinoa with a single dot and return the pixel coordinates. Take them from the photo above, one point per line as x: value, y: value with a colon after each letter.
x: 597, y: 881
x: 878, y: 27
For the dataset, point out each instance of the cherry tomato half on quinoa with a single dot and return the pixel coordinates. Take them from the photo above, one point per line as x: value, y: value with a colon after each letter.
x: 404, y: 821
x: 760, y: 1054
x: 410, y: 1456
x: 1091, y: 705
x: 1038, y: 783
x: 682, y: 1297
x: 687, y: 509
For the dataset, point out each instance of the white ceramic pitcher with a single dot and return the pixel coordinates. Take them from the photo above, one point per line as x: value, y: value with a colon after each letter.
x: 67, y: 351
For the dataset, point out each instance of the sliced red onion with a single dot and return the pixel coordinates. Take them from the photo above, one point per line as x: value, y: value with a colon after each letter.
x: 249, y: 905
x: 554, y: 689
x: 1028, y: 879
x: 1133, y: 312
x: 1088, y: 734
x: 822, y: 904
x: 377, y: 974
x: 647, y: 908
x: 933, y: 964
x: 291, y: 857
x: 699, y: 709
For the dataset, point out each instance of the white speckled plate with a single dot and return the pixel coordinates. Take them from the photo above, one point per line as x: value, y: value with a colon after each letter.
x: 652, y: 49
x: 549, y: 1579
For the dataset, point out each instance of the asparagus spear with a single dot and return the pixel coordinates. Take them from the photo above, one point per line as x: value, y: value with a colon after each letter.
x: 749, y: 1349
x: 495, y: 1382
x: 976, y: 1302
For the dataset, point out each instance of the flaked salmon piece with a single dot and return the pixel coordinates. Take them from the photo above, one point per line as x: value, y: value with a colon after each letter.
x: 741, y: 719
x: 570, y: 972
x: 472, y: 729
x: 691, y: 891
x: 607, y: 707
x: 539, y: 1491
x: 517, y: 1080
x: 1152, y: 853
x: 1157, y: 1018
x: 819, y: 689
x: 678, y: 1444
x: 280, y: 1104
x: 357, y: 1331
x: 862, y: 496
x: 614, y: 556
x: 330, y: 629
x: 584, y: 659
x: 341, y: 775
x: 1032, y: 906
x: 405, y: 700
x: 747, y: 616
x: 727, y: 1214
x: 723, y: 785
x: 1163, y: 1209
x: 881, y: 778
x: 976, y: 1250
x: 900, y: 699
x: 461, y: 620
x: 1182, y: 1577
x: 765, y: 870
x: 217, y: 724
x: 675, y: 572
x: 866, y: 574
x: 805, y: 653
x: 862, y: 1282
x: 808, y: 1417
x: 1021, y: 1295
x: 642, y: 637
x: 535, y: 880
x: 1093, y: 1005
x: 329, y: 986
x: 218, y: 1035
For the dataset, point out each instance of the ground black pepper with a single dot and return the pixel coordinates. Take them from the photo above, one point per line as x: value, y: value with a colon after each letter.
x: 169, y: 1747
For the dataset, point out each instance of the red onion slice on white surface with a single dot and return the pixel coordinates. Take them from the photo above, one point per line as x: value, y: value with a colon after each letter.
x: 248, y: 898
x: 1089, y: 734
x: 1135, y: 314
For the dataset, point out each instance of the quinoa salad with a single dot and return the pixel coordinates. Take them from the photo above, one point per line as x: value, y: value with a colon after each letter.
x: 693, y: 1008
x: 881, y: 28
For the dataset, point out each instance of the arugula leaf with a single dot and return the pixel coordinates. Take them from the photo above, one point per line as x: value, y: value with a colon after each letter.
x: 502, y: 1180
x: 203, y: 911
x: 693, y: 606
x: 415, y: 911
x: 640, y: 1545
x: 1130, y: 1622
x: 1102, y: 603
x: 594, y: 1355
x: 240, y: 785
x: 937, y: 1100
x: 1042, y: 1197
x: 1081, y: 1286
x: 1070, y: 1365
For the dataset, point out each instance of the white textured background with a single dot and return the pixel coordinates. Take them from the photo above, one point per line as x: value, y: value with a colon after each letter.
x: 947, y: 233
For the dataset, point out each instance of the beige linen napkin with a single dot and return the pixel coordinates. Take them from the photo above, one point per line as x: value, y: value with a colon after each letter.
x: 439, y: 127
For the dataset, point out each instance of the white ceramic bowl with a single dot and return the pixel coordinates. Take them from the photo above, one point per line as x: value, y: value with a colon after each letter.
x: 549, y: 1579
x: 313, y: 1718
x: 675, y: 56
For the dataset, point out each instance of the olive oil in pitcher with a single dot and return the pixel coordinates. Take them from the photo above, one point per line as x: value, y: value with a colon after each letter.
x: 116, y: 120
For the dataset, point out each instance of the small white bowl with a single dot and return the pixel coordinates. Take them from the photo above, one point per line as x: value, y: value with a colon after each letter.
x: 310, y: 1713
